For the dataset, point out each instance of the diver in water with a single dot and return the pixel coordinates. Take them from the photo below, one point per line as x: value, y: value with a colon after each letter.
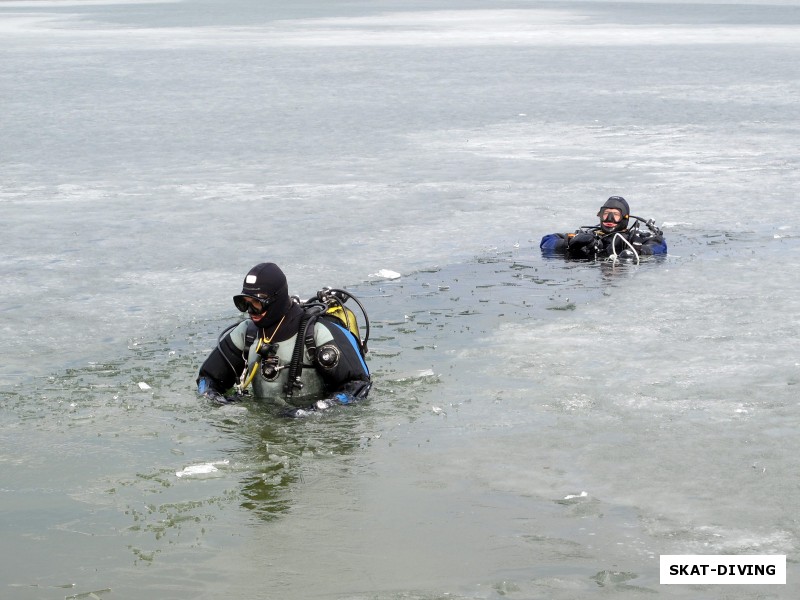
x: 300, y: 357
x: 611, y: 238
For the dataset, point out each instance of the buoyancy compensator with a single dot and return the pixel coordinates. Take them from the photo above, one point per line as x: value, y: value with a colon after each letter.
x: 327, y: 303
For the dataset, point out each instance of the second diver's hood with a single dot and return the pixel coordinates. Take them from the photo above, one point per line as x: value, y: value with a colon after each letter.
x: 621, y: 205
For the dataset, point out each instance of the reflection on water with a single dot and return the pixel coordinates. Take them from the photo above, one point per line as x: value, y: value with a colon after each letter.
x: 275, y: 454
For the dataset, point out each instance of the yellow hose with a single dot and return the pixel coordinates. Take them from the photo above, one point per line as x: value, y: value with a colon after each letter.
x: 250, y: 377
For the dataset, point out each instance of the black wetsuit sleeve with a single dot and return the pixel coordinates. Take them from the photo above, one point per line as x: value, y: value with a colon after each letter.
x: 554, y: 243
x: 647, y: 243
x: 341, y: 364
x: 654, y: 244
x: 222, y: 367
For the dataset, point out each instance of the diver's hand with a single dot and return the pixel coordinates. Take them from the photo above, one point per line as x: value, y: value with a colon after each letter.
x: 299, y: 413
x: 627, y: 253
x: 206, y: 389
x: 336, y: 399
x: 581, y: 239
x: 217, y: 398
x: 583, y: 244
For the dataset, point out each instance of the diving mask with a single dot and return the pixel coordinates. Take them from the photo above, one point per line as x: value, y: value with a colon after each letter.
x: 252, y: 305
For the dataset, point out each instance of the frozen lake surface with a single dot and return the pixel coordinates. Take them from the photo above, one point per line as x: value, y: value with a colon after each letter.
x: 538, y: 428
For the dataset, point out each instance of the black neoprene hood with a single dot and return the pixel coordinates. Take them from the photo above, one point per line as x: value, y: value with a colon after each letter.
x: 621, y: 205
x: 267, y: 282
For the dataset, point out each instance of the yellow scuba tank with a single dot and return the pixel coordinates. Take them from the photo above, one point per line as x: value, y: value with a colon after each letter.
x: 346, y: 316
x: 333, y: 300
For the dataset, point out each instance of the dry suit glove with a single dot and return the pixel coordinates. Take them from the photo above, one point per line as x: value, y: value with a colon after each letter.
x: 206, y: 389
x: 583, y: 244
x: 581, y: 239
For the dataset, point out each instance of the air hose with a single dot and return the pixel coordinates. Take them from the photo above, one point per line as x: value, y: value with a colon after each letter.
x: 296, y: 365
x: 614, y: 254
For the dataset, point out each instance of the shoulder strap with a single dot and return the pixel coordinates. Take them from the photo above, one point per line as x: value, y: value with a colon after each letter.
x: 249, y: 337
x: 304, y: 334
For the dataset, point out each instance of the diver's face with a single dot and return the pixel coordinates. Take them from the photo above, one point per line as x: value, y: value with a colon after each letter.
x: 610, y: 218
x: 254, y: 307
x: 257, y: 310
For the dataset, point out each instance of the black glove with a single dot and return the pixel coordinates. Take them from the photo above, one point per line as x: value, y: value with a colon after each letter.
x: 206, y: 389
x: 217, y: 398
x: 299, y: 413
x: 583, y: 245
x: 627, y: 253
